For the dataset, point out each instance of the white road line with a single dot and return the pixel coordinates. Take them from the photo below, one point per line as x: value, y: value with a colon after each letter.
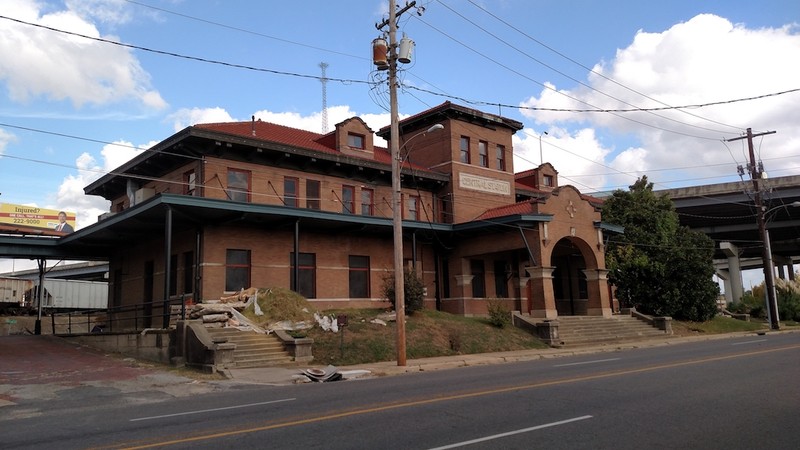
x: 511, y: 433
x: 587, y: 362
x: 749, y: 342
x: 212, y: 410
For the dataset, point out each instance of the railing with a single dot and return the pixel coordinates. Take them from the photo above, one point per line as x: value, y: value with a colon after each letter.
x: 116, y: 319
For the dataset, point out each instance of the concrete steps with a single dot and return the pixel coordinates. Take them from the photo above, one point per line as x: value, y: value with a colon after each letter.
x: 583, y: 330
x: 253, y: 349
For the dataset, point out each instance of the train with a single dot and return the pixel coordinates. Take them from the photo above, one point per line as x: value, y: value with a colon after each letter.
x: 19, y: 296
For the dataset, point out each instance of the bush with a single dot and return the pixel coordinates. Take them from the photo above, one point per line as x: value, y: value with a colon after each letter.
x: 499, y: 315
x: 414, y: 291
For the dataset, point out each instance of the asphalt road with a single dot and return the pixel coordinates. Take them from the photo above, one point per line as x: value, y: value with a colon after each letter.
x: 730, y: 393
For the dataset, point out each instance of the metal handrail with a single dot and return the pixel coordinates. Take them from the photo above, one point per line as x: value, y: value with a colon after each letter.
x: 87, y: 320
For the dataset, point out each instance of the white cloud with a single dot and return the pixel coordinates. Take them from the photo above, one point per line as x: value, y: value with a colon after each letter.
x: 70, y: 195
x: 5, y: 138
x: 706, y: 59
x: 191, y: 116
x: 39, y: 63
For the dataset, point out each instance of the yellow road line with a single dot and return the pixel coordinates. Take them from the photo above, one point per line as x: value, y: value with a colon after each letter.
x: 451, y: 397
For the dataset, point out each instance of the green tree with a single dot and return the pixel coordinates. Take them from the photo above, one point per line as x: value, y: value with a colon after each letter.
x: 658, y: 266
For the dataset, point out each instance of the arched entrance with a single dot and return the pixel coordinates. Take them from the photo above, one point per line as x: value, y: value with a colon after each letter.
x: 570, y: 258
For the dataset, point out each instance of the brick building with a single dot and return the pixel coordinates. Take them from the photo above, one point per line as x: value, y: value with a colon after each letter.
x: 243, y: 204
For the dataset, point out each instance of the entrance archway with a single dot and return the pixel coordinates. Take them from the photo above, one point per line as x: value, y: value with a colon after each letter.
x: 570, y: 259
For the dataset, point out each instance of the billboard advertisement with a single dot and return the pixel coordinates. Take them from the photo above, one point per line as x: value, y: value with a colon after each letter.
x: 35, y: 217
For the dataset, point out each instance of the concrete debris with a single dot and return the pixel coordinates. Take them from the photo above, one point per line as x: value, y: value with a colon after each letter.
x: 378, y: 322
x: 329, y: 373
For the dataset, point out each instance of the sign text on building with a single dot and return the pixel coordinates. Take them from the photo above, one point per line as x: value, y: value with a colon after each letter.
x: 483, y: 184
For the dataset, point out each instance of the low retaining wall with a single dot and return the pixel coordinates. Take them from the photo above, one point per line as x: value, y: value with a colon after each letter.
x: 150, y: 344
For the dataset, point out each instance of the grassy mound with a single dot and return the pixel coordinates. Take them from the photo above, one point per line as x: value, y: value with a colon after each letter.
x: 279, y: 304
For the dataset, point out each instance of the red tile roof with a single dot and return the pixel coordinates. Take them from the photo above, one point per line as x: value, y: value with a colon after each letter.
x: 520, y: 208
x: 280, y: 134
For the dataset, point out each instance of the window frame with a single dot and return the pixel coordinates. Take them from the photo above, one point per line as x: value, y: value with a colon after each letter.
x: 413, y: 213
x: 356, y: 140
x: 464, y: 150
x: 307, y: 269
x: 348, y: 205
x: 291, y: 198
x: 483, y: 154
x: 190, y: 183
x: 236, y: 191
x: 313, y: 198
x: 500, y: 157
x: 547, y: 180
x: 368, y: 207
x: 358, y: 276
x: 233, y: 268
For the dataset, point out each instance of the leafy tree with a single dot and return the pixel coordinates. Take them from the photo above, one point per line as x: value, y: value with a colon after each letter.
x: 658, y: 266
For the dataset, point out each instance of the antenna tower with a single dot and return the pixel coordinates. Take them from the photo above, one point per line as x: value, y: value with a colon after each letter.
x: 324, y: 81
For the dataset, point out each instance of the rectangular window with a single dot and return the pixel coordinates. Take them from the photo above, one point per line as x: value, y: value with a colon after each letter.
x: 307, y: 276
x: 188, y: 272
x: 413, y: 207
x: 359, y: 276
x: 348, y: 199
x: 502, y: 273
x: 501, y: 157
x: 190, y: 183
x: 446, y: 214
x: 237, y: 270
x: 483, y: 153
x: 355, y: 140
x: 465, y: 149
x: 478, y: 278
x: 312, y: 194
x: 238, y: 185
x: 548, y: 180
x: 290, y: 188
x: 367, y: 202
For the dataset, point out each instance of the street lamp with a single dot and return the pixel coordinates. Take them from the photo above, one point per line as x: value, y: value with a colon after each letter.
x: 769, y: 270
x: 541, y: 158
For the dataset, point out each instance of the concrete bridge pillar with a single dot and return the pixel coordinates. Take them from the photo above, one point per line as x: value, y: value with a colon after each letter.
x: 735, y: 271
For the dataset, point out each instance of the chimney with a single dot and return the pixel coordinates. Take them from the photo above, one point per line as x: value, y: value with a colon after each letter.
x: 253, y: 127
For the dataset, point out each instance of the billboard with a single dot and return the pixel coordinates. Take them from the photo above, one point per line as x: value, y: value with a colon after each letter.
x: 35, y: 217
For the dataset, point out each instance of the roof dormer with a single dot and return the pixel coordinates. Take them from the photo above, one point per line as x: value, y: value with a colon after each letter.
x: 354, y: 137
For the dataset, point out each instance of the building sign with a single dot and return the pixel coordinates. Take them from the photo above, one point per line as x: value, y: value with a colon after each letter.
x: 35, y: 217
x: 483, y: 184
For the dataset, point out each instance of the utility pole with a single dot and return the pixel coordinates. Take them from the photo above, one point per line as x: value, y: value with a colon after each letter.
x: 397, y: 198
x: 756, y: 172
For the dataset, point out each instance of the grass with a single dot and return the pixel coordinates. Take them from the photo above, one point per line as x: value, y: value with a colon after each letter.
x: 428, y: 334
x: 718, y: 325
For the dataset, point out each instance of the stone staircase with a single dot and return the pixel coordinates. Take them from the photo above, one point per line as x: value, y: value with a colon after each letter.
x: 584, y: 330
x: 253, y: 349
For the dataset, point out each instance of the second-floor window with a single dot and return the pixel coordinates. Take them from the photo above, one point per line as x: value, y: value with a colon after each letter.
x: 238, y: 185
x: 501, y: 157
x: 483, y: 153
x: 464, y: 149
x: 190, y: 183
x: 355, y: 140
x: 367, y: 202
x: 348, y: 199
x: 290, y: 188
x: 413, y: 207
x: 312, y: 194
x: 547, y: 180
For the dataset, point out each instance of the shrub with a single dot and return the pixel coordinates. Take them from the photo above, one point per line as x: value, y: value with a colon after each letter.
x: 499, y: 315
x: 414, y: 290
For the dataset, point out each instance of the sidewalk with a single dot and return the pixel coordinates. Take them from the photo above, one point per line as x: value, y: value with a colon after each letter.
x: 289, y: 375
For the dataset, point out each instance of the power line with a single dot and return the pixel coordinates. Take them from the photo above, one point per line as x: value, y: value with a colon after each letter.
x: 568, y: 76
x: 666, y: 106
x: 191, y: 58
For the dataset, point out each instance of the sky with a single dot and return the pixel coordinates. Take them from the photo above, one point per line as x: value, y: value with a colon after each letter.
x: 87, y: 84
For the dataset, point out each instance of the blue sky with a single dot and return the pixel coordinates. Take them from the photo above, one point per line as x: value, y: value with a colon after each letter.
x: 579, y: 54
